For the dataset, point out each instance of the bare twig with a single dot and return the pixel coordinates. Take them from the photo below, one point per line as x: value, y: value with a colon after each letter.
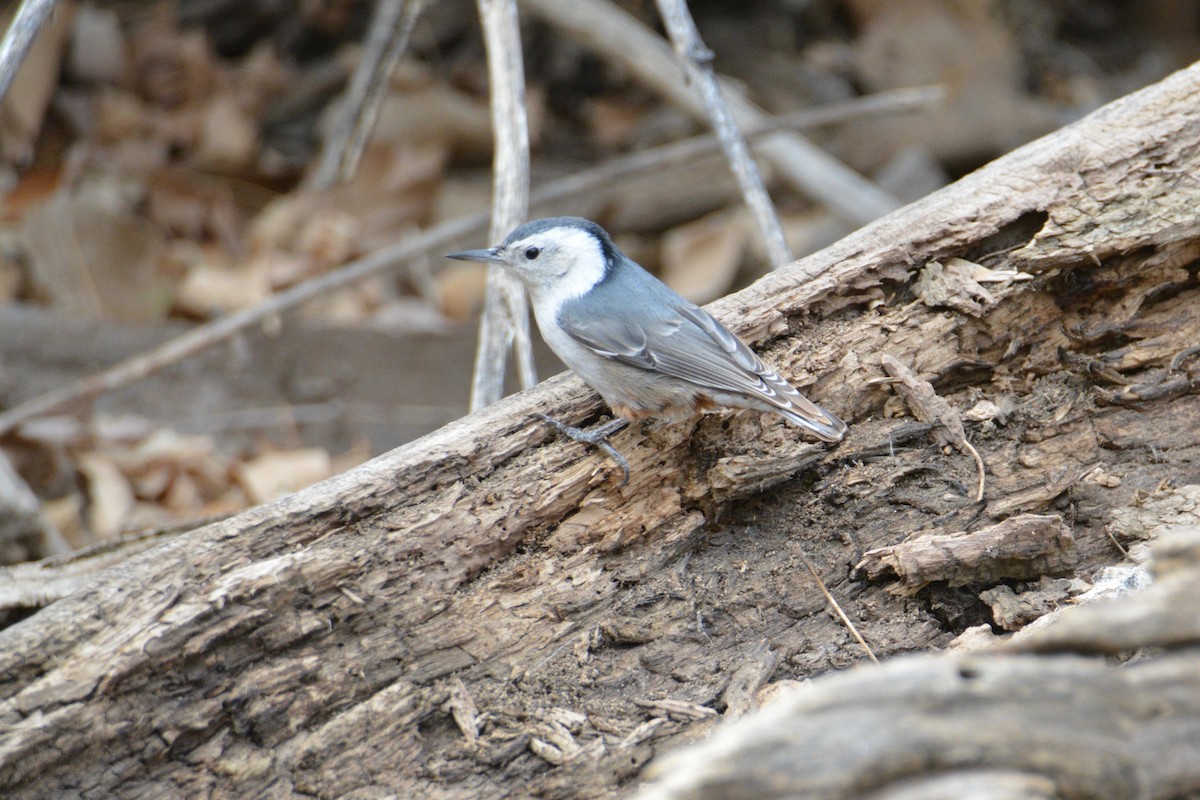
x: 892, y: 101
x: 837, y: 608
x: 928, y: 406
x: 696, y: 60
x: 505, y: 320
x: 20, y: 34
x: 619, y: 37
x: 387, y: 39
x: 605, y: 176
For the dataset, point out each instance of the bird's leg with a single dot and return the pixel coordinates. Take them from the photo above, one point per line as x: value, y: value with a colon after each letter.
x: 597, y: 437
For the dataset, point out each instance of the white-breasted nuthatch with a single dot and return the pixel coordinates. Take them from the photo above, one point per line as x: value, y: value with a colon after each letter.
x: 645, y: 349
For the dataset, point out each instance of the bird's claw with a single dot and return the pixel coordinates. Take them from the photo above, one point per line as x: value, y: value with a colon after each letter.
x: 597, y: 437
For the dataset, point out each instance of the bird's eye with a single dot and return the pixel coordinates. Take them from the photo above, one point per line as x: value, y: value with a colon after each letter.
x: 532, y: 252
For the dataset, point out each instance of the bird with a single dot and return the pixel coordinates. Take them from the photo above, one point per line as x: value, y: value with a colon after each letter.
x: 646, y: 350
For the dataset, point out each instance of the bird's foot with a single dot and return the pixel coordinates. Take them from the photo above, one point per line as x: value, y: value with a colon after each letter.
x: 596, y: 437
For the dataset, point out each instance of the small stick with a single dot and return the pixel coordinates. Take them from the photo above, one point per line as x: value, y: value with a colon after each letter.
x: 697, y: 65
x: 683, y: 151
x: 28, y: 20
x: 836, y: 607
x: 505, y: 319
x: 928, y: 406
x: 970, y: 448
x: 391, y: 28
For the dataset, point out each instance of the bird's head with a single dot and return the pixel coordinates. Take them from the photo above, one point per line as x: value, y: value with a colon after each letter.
x: 559, y: 257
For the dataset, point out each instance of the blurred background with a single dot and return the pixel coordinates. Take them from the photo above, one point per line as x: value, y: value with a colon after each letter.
x: 155, y: 172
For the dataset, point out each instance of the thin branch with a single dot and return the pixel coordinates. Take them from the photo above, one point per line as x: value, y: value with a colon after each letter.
x: 833, y: 603
x: 17, y: 39
x: 970, y: 448
x: 505, y: 319
x: 619, y: 37
x: 697, y: 64
x: 606, y: 175
x: 387, y: 39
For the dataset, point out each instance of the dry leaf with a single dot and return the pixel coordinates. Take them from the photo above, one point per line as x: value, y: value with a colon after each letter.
x: 211, y: 289
x: 228, y: 136
x: 92, y: 257
x: 182, y: 495
x: 701, y: 259
x: 275, y: 474
x: 110, y: 497
x: 193, y: 206
x: 461, y: 288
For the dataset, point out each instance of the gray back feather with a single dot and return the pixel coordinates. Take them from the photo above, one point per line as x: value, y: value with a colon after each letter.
x: 637, y: 320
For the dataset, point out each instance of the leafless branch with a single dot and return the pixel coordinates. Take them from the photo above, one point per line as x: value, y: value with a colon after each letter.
x: 505, y: 320
x: 696, y: 60
x: 387, y: 39
x: 20, y: 34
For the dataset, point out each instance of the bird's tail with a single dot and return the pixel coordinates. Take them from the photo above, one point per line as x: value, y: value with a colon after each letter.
x: 815, y: 419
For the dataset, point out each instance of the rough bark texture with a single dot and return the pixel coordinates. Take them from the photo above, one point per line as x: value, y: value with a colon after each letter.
x: 482, y: 612
x: 950, y: 726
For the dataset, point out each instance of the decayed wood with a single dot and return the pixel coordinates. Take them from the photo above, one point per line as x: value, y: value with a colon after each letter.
x: 1088, y: 730
x: 1084, y: 727
x: 1021, y: 547
x: 927, y: 406
x: 1012, y: 610
x: 320, y: 645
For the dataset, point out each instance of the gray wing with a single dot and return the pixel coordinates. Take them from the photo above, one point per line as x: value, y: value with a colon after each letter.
x: 681, y: 340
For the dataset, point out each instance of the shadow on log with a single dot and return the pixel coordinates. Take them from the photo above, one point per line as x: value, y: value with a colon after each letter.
x: 483, y: 612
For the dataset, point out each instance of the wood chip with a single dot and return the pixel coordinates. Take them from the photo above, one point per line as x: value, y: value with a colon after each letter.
x: 928, y: 406
x: 1024, y: 547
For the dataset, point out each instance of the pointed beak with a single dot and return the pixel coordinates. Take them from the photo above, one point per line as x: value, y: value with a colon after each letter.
x: 490, y: 255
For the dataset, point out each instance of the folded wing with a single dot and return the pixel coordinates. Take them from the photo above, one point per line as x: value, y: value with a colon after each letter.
x: 683, y: 341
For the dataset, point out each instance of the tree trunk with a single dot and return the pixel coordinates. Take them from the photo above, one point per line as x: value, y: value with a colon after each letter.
x: 483, y: 612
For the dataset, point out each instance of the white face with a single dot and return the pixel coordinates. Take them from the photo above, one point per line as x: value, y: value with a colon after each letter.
x: 558, y: 264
